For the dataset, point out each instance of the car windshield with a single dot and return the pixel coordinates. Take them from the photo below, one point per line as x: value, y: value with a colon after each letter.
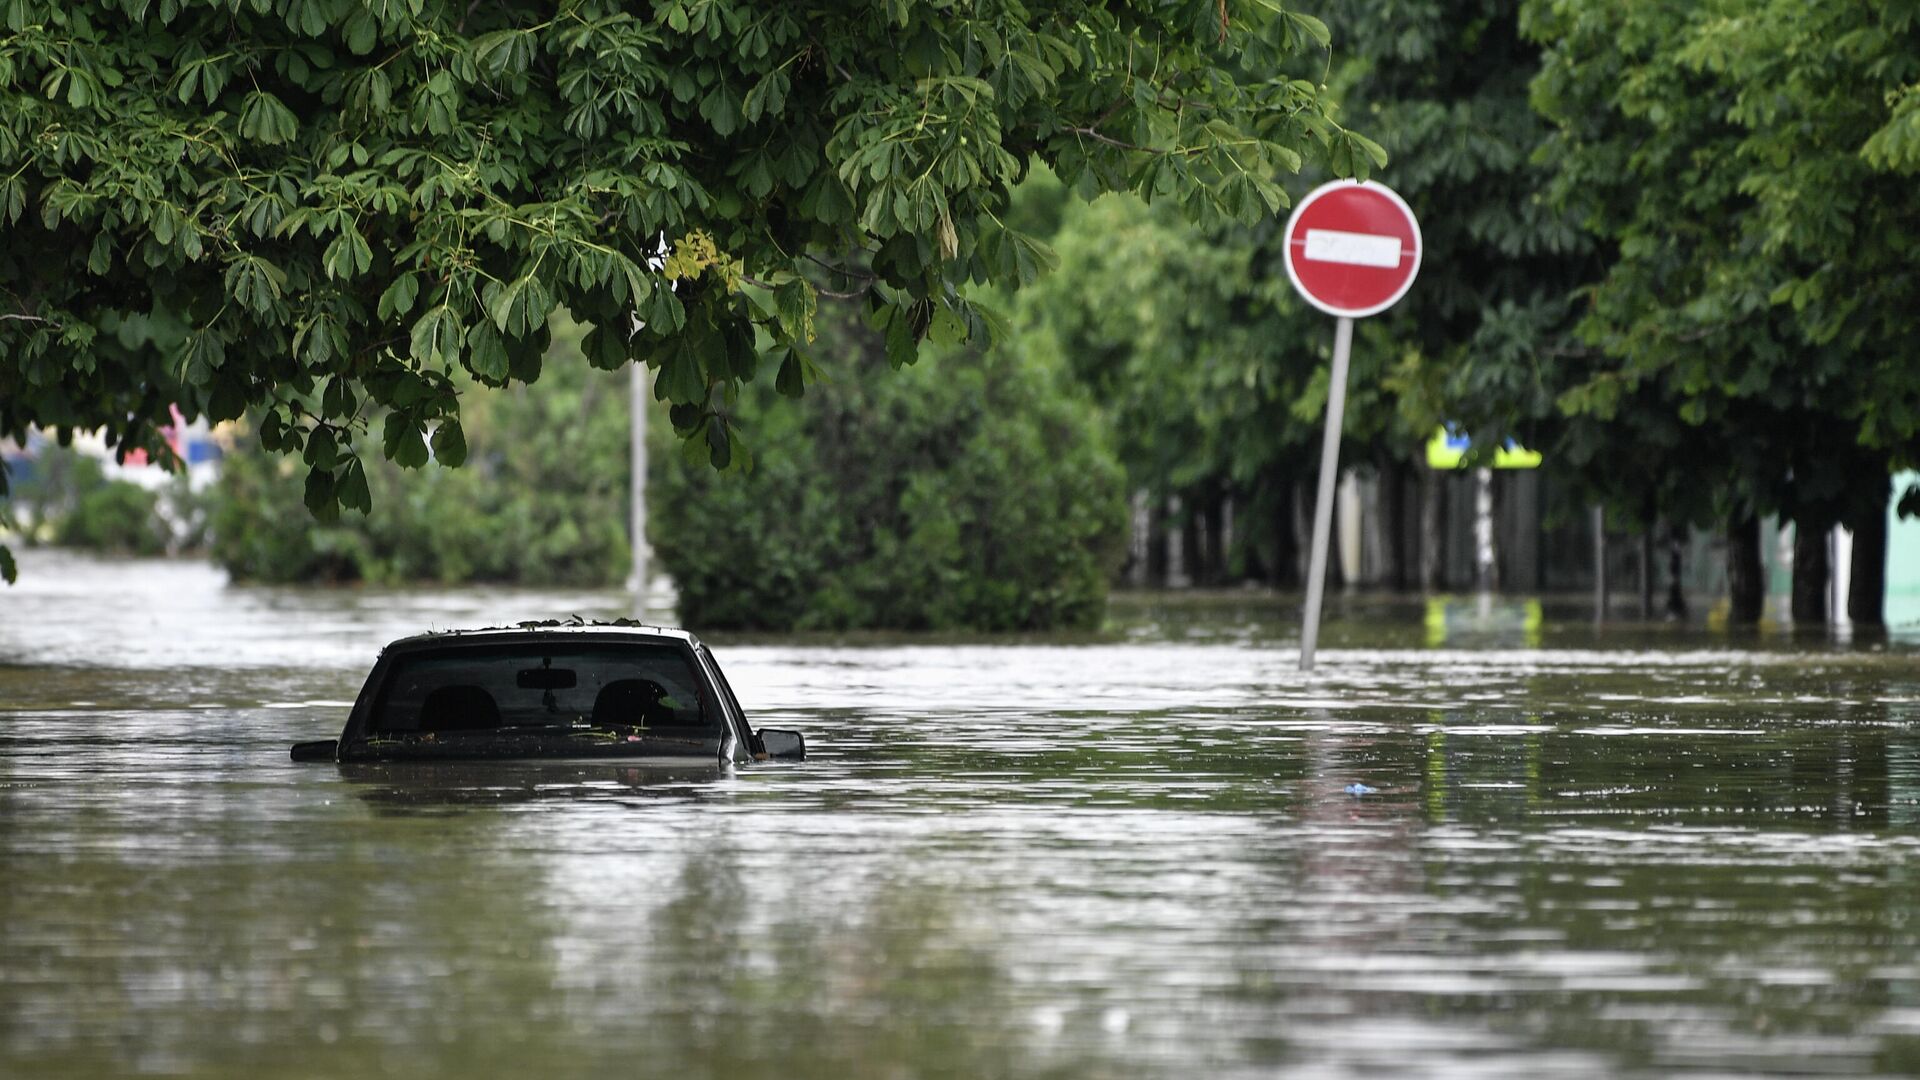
x: 481, y: 688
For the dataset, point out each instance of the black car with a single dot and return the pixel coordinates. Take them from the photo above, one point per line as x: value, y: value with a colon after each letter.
x: 550, y: 690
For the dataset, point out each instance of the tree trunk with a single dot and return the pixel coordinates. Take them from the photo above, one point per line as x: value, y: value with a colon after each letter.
x: 1433, y: 530
x: 1867, y: 592
x: 1486, y: 532
x: 1303, y: 532
x: 1810, y: 573
x: 1676, y: 595
x: 1646, y: 569
x: 1158, y: 557
x: 1393, y: 524
x: 1599, y: 519
x: 1284, y: 573
x: 1185, y: 552
x: 1746, y: 580
x: 1213, y: 562
x: 1140, y: 516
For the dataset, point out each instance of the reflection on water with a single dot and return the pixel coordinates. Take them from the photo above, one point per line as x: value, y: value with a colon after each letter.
x: 1631, y: 850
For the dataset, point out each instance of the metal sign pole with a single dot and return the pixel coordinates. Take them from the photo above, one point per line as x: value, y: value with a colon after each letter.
x: 1323, y: 499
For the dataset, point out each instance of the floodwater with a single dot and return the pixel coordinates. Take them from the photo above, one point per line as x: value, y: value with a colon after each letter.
x: 1630, y: 851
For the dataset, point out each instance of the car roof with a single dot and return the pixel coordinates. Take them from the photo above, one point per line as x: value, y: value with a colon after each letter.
x: 534, y: 631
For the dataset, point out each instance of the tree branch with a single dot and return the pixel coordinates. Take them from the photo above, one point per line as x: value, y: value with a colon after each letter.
x: 830, y: 268
x: 867, y: 278
x: 1111, y: 141
x: 822, y: 290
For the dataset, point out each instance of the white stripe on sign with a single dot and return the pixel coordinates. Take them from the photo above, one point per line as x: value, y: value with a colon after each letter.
x: 1355, y: 249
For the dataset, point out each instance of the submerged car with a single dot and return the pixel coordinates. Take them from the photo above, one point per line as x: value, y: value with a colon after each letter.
x: 550, y: 690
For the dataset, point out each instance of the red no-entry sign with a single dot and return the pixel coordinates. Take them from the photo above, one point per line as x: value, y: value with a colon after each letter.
x: 1353, y: 248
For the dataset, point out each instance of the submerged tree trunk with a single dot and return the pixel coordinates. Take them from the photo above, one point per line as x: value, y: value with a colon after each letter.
x: 1433, y: 530
x: 1646, y: 569
x: 1179, y: 543
x: 1212, y: 565
x: 1303, y: 496
x: 1676, y: 594
x: 1285, y: 571
x: 1867, y: 591
x: 1599, y: 519
x: 1392, y: 528
x: 1158, y: 557
x: 1138, y: 544
x: 1746, y: 579
x: 1811, y: 573
x: 1486, y: 545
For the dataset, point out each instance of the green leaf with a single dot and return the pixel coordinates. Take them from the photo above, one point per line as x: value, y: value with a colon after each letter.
x: 767, y: 98
x: 273, y: 430
x: 351, y: 488
x: 681, y: 378
x: 322, y: 450
x: 721, y: 108
x: 319, y: 494
x: 202, y: 352
x: 361, y: 31
x: 796, y: 302
x: 948, y: 327
x: 449, y: 443
x: 255, y: 283
x: 521, y: 306
x: 339, y: 401
x: 605, y: 348
x: 487, y: 354
x: 665, y: 313
x: 228, y: 401
x: 903, y: 347
x: 791, y: 380
x: 401, y: 441
x: 398, y: 298
x: 436, y: 336
x: 1313, y: 28
x: 264, y: 119
x: 347, y: 256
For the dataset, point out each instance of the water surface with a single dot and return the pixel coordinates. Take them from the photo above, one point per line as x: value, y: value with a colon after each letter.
x: 1625, y: 851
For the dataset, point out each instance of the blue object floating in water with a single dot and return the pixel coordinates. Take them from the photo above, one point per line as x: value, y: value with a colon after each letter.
x: 1359, y: 789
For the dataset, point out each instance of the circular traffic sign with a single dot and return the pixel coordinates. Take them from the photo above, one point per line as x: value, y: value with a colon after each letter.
x: 1353, y: 248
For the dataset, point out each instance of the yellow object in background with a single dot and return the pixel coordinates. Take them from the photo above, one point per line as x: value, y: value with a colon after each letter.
x: 1447, y: 447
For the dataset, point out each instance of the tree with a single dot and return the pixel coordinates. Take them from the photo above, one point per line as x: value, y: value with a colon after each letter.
x: 1474, y: 342
x: 1218, y: 374
x: 539, y: 502
x: 321, y: 208
x: 975, y: 493
x: 1747, y: 164
x: 1211, y: 370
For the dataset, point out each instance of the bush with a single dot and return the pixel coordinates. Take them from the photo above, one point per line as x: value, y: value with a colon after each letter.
x: 65, y: 498
x: 109, y: 515
x: 969, y: 491
x: 541, y: 500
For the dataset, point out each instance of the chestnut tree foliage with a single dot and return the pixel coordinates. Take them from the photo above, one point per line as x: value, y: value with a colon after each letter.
x: 1748, y: 168
x: 319, y: 209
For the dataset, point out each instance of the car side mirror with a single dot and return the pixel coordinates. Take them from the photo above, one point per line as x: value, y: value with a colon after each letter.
x: 783, y: 745
x: 324, y: 750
